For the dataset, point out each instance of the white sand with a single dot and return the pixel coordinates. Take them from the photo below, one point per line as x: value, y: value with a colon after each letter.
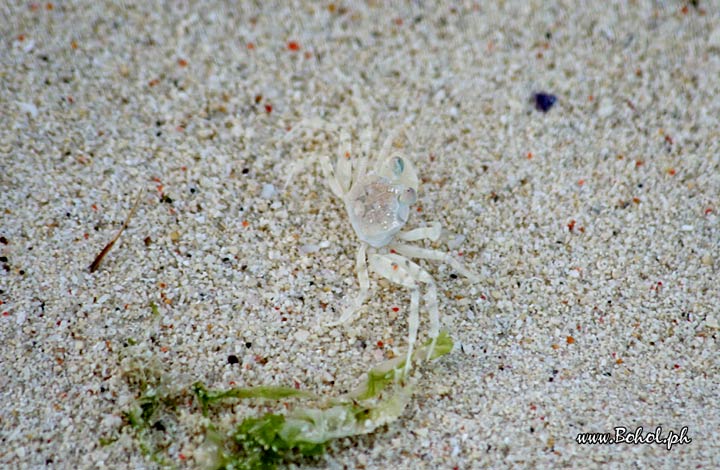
x: 612, y: 323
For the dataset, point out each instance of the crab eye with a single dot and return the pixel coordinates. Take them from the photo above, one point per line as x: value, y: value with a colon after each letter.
x: 408, y: 196
x: 398, y: 166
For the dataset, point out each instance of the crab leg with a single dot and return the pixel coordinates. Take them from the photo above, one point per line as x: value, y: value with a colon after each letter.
x: 330, y: 177
x: 413, y: 325
x: 366, y: 136
x: 387, y: 146
x: 343, y: 167
x: 432, y: 305
x: 435, y: 255
x: 423, y: 233
x: 364, y: 280
x: 338, y: 178
x: 402, y: 271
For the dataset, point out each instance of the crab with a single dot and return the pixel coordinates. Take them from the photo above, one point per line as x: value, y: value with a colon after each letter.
x: 377, y: 193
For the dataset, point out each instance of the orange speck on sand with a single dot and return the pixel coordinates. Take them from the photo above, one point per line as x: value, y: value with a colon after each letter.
x: 347, y: 155
x: 21, y: 37
x: 570, y: 340
x: 74, y: 44
x: 153, y: 82
x: 182, y: 62
x: 581, y: 182
x: 245, y: 223
x: 250, y: 46
x: 49, y: 6
x: 555, y: 346
x: 293, y: 46
x: 708, y: 211
x: 671, y: 172
x: 619, y: 361
x: 529, y: 155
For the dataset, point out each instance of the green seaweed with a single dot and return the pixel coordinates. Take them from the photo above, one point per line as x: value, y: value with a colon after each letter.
x: 207, y: 397
x: 106, y: 441
x: 267, y: 441
x: 386, y: 373
x: 262, y: 443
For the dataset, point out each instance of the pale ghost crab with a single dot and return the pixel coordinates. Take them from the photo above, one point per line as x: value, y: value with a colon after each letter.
x: 377, y: 196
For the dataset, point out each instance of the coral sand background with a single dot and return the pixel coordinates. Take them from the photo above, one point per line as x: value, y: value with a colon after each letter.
x: 593, y: 221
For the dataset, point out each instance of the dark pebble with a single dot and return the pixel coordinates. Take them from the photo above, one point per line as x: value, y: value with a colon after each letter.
x: 544, y: 101
x: 233, y: 359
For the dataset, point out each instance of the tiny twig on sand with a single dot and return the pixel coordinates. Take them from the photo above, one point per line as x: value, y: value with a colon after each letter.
x: 98, y: 259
